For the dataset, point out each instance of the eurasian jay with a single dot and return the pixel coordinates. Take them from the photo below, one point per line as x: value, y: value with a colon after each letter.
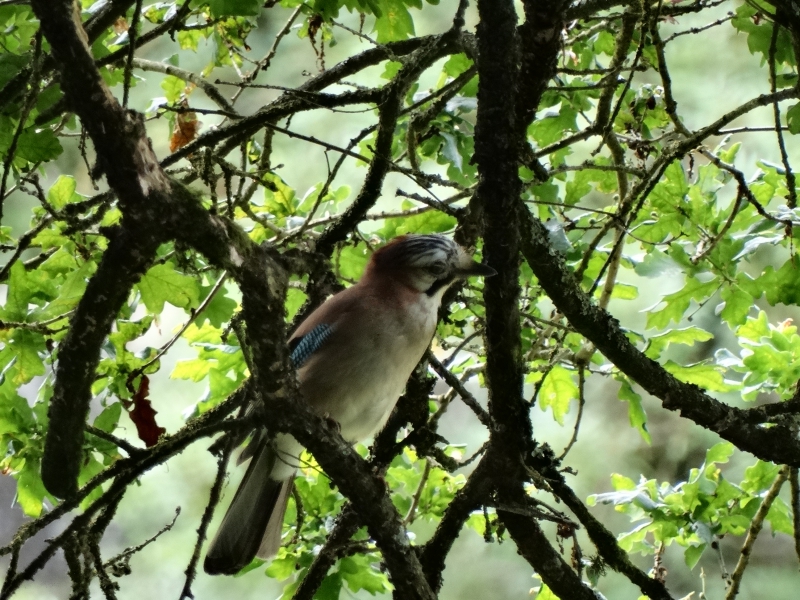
x: 353, y: 356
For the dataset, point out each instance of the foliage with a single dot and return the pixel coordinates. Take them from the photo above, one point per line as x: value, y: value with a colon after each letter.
x: 637, y: 205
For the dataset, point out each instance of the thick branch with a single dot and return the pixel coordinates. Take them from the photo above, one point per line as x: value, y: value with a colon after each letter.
x: 540, y: 43
x: 126, y: 259
x: 498, y: 191
x: 534, y: 546
x: 125, y: 156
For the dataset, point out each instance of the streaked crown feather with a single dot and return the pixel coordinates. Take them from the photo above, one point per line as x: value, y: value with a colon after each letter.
x: 428, y: 263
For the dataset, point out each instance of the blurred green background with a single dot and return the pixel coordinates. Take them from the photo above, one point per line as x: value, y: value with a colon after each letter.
x: 709, y: 79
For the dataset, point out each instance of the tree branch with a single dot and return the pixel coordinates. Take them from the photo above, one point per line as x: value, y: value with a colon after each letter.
x: 778, y: 444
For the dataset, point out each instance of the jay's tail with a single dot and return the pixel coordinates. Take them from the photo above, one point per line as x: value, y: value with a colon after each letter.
x: 254, y: 522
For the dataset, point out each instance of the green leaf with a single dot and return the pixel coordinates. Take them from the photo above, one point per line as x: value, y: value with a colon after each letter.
x: 219, y: 310
x: 545, y: 593
x: 736, y: 305
x: 16, y: 416
x: 352, y: 261
x: 190, y: 40
x: 89, y: 469
x: 10, y: 65
x: 692, y: 555
x: 108, y: 419
x: 30, y: 489
x: 580, y: 185
x: 69, y: 293
x: 759, y: 477
x: 707, y: 376
x: 282, y: 567
x: 557, y: 391
x: 780, y: 517
x: 19, y: 294
x: 162, y: 283
x: 728, y: 155
x: 755, y: 328
x: 781, y: 286
x: 220, y: 384
x: 553, y: 125
x: 360, y: 573
x: 279, y: 198
x: 41, y: 145
x: 636, y: 413
x: 677, y: 303
x: 173, y: 88
x: 623, y: 291
x: 28, y: 346
x: 719, y: 453
x: 687, y: 336
x: 330, y: 589
x: 793, y: 119
x: 759, y: 34
x: 194, y: 370
x: 235, y: 8
x: 656, y: 264
x: 457, y: 64
x: 394, y: 23
x: 428, y: 222
x: 604, y: 43
x: 62, y: 192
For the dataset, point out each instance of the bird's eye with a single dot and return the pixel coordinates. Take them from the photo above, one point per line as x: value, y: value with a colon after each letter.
x: 437, y: 270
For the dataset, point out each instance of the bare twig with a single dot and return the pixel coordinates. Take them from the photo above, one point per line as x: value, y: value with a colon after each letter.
x: 454, y: 383
x: 755, y: 528
x: 213, y: 499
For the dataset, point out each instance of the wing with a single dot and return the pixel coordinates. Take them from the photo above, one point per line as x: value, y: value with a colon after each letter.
x: 303, y: 346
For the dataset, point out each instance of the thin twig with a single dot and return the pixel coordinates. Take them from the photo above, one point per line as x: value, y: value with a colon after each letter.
x: 132, y: 34
x: 210, y: 90
x: 581, y: 403
x: 454, y: 383
x: 411, y: 515
x: 213, y: 499
x: 30, y: 102
x: 755, y: 528
x: 776, y: 113
x: 165, y: 348
x: 264, y: 63
x: 119, y: 442
x: 694, y: 30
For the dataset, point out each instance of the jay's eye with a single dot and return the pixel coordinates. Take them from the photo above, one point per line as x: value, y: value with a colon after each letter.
x: 437, y: 270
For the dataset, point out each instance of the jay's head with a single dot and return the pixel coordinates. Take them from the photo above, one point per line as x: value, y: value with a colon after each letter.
x: 426, y: 263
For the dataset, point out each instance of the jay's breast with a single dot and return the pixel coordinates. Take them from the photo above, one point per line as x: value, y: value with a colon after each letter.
x: 360, y: 387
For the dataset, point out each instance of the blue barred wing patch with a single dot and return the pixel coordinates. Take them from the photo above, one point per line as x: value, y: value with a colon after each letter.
x: 304, y: 346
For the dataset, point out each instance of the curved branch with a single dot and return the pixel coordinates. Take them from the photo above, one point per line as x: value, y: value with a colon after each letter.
x: 127, y: 258
x: 755, y: 528
x: 778, y: 444
x: 605, y: 542
x: 534, y: 547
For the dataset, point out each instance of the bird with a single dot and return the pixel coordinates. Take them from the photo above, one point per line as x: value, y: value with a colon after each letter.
x: 353, y: 356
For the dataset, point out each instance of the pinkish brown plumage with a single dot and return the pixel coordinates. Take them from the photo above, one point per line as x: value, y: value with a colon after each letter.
x: 354, y: 355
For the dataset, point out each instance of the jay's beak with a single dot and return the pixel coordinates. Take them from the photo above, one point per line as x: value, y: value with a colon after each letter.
x: 476, y: 269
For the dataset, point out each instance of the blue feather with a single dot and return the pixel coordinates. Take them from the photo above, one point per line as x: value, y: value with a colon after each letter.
x: 305, y: 346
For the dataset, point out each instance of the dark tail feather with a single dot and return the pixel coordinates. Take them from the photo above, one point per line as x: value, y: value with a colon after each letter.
x: 271, y: 541
x: 255, y: 514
